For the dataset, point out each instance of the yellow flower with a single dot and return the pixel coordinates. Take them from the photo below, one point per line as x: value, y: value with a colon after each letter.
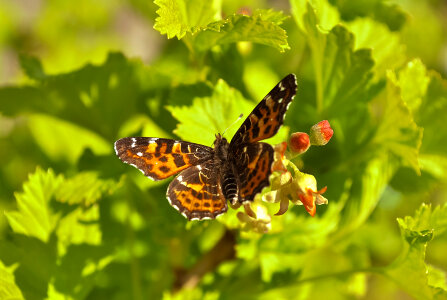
x: 300, y: 189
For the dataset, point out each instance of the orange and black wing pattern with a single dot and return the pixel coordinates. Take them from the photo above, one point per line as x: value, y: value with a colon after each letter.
x: 161, y: 158
x: 254, y: 167
x: 196, y: 192
x: 268, y: 116
x: 251, y: 159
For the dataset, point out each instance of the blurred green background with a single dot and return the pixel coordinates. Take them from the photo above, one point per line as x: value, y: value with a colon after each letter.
x: 77, y: 75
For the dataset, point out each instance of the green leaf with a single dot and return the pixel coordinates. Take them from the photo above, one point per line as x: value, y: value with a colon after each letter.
x: 63, y: 140
x: 433, y: 108
x: 345, y: 73
x: 427, y: 218
x: 8, y: 286
x: 276, y: 262
x: 35, y: 261
x: 32, y: 67
x: 80, y: 226
x: 313, y: 16
x: 201, y: 19
x: 437, y: 278
x: 425, y: 93
x: 390, y: 14
x: 409, y: 270
x: 210, y: 115
x: 98, y: 98
x: 37, y: 218
x: 34, y: 217
x: 142, y: 123
x: 271, y: 15
x: 84, y: 188
x: 364, y: 193
x: 78, y: 271
x: 341, y: 73
x: 396, y: 130
x: 178, y: 17
x: 413, y: 81
x: 387, y: 50
x: 435, y: 165
x: 236, y: 28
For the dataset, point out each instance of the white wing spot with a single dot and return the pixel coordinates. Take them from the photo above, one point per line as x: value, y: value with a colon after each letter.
x: 116, y: 149
x: 200, y: 218
x: 134, y: 142
x: 281, y: 87
x: 140, y: 153
x: 280, y: 100
x: 199, y: 167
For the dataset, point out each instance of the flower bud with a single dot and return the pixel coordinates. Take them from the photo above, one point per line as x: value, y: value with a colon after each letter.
x: 299, y: 142
x: 321, y: 133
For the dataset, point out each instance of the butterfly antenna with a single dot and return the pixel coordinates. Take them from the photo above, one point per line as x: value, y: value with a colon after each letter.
x: 240, y: 116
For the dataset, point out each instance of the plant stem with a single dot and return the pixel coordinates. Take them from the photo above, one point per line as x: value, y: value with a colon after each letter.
x: 222, y: 251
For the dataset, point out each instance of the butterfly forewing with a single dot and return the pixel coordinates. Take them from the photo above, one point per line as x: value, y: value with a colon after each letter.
x: 161, y: 158
x: 268, y: 116
x: 197, y: 193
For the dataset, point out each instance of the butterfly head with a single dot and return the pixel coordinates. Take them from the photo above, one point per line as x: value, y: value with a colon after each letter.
x: 219, y: 140
x: 221, y: 147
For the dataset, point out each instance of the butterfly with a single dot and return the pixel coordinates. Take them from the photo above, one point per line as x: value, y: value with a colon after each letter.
x: 208, y: 177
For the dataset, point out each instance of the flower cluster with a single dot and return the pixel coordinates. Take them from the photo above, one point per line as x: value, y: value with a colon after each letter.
x: 288, y: 183
x: 299, y: 188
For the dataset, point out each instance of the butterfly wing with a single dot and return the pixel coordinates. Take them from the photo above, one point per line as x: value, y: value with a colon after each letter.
x: 253, y: 166
x: 196, y: 192
x: 268, y: 116
x: 161, y: 158
x: 252, y: 161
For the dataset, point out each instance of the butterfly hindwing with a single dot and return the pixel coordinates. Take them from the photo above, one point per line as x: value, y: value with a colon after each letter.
x: 161, y: 158
x: 253, y: 165
x: 268, y: 116
x: 196, y: 192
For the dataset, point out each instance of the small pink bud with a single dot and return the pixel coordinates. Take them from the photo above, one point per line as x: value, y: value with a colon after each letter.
x: 299, y: 142
x: 321, y: 133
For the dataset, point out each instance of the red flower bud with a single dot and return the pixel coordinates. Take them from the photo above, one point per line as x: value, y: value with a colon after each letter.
x: 244, y: 10
x: 321, y: 133
x: 299, y: 142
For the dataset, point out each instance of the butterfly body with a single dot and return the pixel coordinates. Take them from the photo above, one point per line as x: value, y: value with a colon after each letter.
x: 208, y: 177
